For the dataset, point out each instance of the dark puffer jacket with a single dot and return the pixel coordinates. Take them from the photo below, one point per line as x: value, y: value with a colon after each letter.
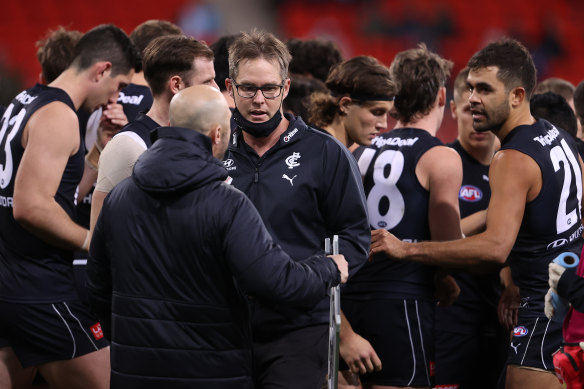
x: 174, y: 252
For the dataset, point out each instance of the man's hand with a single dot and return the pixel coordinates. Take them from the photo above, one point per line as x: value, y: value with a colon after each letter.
x: 358, y: 354
x: 446, y: 289
x: 342, y: 265
x: 382, y: 241
x: 556, y: 272
x: 508, y: 308
x: 114, y: 114
x: 111, y: 122
x: 549, y: 307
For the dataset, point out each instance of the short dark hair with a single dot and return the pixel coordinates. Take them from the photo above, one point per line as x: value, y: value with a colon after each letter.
x: 56, y: 51
x: 221, y: 62
x: 418, y: 75
x: 146, y: 32
x: 516, y: 67
x: 556, y: 110
x: 258, y: 44
x: 172, y: 55
x: 362, y: 78
x: 313, y: 57
x: 460, y: 85
x: 579, y: 101
x: 107, y: 42
x: 301, y: 87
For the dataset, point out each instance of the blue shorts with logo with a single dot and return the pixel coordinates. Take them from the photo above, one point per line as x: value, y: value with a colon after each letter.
x: 534, y: 341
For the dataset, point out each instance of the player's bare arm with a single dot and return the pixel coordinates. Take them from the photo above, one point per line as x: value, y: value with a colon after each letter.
x: 50, y: 137
x: 474, y: 223
x: 515, y: 180
x: 443, y: 173
x: 440, y: 172
x: 356, y: 351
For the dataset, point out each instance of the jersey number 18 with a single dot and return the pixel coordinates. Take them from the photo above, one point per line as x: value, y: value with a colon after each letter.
x: 385, y: 202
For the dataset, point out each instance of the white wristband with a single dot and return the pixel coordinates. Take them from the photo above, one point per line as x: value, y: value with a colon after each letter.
x: 85, y: 246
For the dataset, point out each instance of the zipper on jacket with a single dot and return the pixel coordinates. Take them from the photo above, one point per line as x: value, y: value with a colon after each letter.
x: 256, y: 175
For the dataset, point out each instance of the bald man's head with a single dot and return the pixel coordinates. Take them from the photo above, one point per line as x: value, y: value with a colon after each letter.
x: 199, y: 108
x: 203, y: 108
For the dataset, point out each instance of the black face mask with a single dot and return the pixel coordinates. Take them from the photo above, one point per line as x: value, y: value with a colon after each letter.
x: 258, y: 130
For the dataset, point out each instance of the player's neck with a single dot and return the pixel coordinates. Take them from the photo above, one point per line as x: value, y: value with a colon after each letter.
x: 138, y: 79
x: 482, y: 155
x: 518, y: 117
x: 76, y: 85
x: 337, y: 129
x: 159, y: 110
x: 262, y: 145
x: 430, y: 122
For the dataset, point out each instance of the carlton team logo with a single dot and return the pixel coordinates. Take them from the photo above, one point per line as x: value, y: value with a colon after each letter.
x: 470, y: 193
x: 520, y: 331
x: 292, y: 161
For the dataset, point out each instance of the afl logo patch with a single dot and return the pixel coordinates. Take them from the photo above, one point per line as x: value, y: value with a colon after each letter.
x: 470, y: 193
x: 520, y: 331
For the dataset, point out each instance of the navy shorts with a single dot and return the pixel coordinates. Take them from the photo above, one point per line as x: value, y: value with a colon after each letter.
x: 296, y: 359
x: 469, y: 361
x: 41, y: 333
x: 534, y: 341
x: 401, y: 333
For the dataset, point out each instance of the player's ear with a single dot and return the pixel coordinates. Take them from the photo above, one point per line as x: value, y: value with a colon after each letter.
x: 175, y: 84
x: 441, y: 96
x: 453, y: 109
x: 101, y: 69
x: 517, y: 96
x: 344, y: 103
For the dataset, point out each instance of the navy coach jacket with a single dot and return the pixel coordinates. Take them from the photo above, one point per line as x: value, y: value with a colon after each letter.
x: 173, y: 254
x: 306, y: 188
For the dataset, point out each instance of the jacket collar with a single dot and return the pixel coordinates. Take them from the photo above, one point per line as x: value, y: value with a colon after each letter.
x: 293, y: 133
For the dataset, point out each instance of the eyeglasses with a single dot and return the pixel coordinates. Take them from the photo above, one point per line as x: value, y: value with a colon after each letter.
x: 249, y: 91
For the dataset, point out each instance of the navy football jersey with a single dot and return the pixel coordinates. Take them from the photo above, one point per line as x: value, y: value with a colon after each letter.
x: 475, y: 192
x: 31, y: 269
x: 474, y: 311
x: 552, y: 221
x: 135, y: 99
x: 398, y: 203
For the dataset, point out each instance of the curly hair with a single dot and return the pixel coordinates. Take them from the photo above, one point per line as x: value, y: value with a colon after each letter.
x: 362, y: 78
x: 56, y: 52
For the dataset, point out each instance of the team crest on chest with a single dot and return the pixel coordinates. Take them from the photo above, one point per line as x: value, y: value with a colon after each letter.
x: 292, y: 161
